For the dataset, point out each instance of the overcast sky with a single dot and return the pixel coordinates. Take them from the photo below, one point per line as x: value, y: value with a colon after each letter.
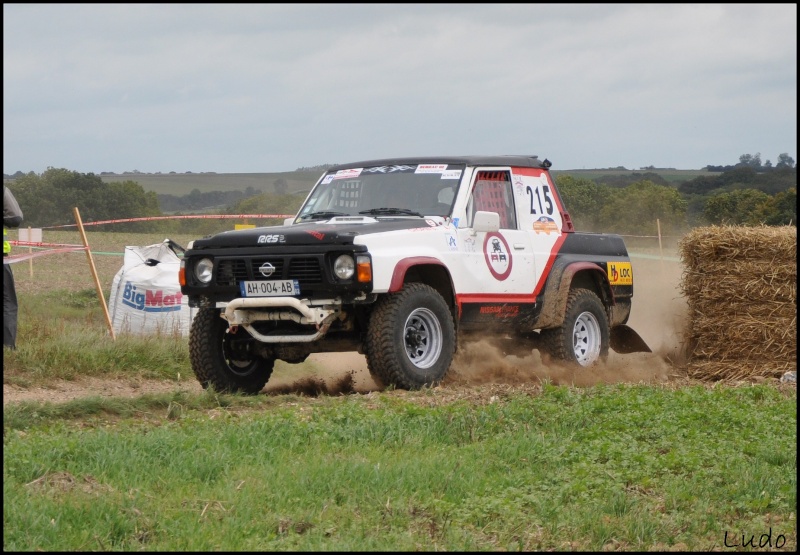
x: 240, y: 88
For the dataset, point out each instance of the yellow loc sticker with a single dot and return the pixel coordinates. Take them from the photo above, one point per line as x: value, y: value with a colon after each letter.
x: 620, y: 273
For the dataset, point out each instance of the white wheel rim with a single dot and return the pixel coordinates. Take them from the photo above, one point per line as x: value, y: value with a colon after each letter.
x: 586, y: 339
x: 422, y: 337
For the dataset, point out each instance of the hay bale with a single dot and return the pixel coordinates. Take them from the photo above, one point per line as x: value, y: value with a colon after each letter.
x: 763, y: 244
x: 740, y: 284
x: 747, y: 282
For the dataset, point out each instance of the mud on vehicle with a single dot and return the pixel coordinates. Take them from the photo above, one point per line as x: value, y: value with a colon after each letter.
x: 402, y: 260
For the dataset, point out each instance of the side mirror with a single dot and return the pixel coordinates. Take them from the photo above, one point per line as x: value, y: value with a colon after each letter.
x: 288, y: 221
x: 485, y: 221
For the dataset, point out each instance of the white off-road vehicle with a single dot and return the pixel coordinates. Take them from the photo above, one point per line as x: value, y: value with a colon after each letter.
x: 402, y: 260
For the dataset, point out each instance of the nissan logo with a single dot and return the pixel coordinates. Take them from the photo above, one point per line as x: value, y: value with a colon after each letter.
x: 266, y: 269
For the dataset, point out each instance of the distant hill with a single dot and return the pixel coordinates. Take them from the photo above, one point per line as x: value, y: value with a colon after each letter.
x: 302, y: 180
x: 668, y: 174
x: 180, y: 184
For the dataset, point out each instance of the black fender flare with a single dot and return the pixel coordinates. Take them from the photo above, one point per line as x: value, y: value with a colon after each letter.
x: 557, y: 287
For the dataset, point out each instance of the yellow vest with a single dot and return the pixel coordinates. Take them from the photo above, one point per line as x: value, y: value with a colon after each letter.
x: 6, y: 244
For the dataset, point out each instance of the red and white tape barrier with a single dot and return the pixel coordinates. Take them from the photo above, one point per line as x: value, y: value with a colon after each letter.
x: 11, y: 259
x: 186, y: 217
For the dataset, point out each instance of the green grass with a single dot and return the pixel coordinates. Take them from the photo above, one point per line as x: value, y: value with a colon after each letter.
x: 611, y: 467
x: 63, y: 334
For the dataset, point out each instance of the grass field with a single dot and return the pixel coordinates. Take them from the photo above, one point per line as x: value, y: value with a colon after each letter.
x: 608, y: 468
x: 180, y: 184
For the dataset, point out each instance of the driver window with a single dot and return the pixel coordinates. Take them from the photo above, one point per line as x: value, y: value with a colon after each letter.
x: 493, y: 193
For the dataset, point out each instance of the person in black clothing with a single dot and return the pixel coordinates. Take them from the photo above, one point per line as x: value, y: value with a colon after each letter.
x: 12, y: 217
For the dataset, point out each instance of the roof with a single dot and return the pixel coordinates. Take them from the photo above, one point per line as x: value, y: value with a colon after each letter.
x: 500, y: 160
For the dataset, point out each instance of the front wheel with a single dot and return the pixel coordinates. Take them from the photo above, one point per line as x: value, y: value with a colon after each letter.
x: 583, y: 337
x: 225, y: 360
x: 410, y: 340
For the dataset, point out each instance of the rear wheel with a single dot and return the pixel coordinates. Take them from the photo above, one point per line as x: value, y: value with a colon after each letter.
x: 410, y: 339
x: 583, y: 337
x: 225, y: 360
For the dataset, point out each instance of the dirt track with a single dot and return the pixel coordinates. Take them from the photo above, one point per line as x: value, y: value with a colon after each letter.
x: 658, y: 316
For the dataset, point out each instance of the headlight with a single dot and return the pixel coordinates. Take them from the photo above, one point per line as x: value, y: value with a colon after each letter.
x: 344, y: 267
x: 203, y: 270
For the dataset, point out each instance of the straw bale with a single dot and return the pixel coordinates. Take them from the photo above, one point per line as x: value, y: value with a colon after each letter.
x: 763, y: 268
x: 740, y: 284
x: 716, y: 314
x: 778, y: 244
x: 727, y: 371
x: 747, y: 280
x: 729, y: 347
x: 785, y: 293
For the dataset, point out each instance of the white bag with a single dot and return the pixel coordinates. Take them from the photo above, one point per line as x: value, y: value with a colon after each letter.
x: 145, y: 295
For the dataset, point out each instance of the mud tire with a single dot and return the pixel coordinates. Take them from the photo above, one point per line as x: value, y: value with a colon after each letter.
x: 410, y: 340
x: 222, y: 360
x: 582, y: 340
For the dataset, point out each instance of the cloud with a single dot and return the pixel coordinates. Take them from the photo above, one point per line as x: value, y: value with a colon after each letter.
x: 271, y: 87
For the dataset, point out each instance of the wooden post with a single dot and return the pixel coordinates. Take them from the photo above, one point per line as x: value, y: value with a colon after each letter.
x: 30, y: 251
x: 94, y: 272
x: 660, y: 250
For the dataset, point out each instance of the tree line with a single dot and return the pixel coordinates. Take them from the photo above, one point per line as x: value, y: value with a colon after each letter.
x: 48, y: 200
x: 627, y: 204
x: 634, y: 209
x: 754, y: 161
x: 742, y: 194
x: 197, y: 200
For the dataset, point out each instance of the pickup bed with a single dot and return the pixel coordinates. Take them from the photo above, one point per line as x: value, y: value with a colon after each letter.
x: 402, y: 260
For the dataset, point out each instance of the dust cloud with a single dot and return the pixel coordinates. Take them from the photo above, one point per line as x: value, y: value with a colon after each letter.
x: 658, y: 315
x: 323, y: 374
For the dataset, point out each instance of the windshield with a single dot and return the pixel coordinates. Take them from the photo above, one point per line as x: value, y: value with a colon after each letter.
x: 402, y: 190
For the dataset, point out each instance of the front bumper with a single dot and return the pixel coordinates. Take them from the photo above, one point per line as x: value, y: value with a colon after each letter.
x: 245, y: 311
